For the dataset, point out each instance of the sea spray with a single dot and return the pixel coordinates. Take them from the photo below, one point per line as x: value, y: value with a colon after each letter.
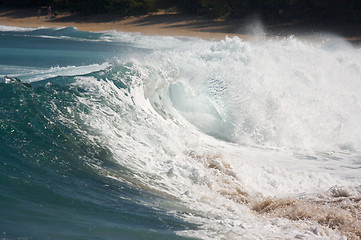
x: 284, y: 93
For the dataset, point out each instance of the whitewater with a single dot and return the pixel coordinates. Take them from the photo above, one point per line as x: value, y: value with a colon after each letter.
x: 113, y: 135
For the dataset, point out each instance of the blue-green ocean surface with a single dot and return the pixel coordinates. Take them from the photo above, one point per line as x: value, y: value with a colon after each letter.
x: 122, y: 136
x: 51, y: 186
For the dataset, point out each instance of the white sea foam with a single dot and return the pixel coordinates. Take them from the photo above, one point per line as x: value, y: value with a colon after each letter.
x: 4, y: 28
x: 33, y: 74
x: 174, y: 159
x: 291, y: 103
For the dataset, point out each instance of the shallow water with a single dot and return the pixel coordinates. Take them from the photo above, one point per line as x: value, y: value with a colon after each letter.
x: 115, y: 135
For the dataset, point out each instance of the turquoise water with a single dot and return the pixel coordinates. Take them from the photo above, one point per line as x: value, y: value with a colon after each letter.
x: 49, y: 189
x: 122, y: 136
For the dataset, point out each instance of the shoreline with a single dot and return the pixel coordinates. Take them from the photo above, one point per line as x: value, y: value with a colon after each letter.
x: 172, y: 24
x: 161, y: 24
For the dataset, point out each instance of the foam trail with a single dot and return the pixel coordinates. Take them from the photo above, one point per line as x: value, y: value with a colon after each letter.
x: 34, y: 74
x: 4, y: 28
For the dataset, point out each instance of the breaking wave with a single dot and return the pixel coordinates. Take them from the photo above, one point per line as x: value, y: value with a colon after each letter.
x: 200, y: 139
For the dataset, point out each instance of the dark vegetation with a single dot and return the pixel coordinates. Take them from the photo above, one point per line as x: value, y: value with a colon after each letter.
x: 317, y: 10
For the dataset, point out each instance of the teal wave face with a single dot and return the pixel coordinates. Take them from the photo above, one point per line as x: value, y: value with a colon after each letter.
x: 48, y: 187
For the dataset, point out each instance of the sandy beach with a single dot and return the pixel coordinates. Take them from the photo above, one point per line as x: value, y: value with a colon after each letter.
x: 164, y: 24
x: 172, y: 24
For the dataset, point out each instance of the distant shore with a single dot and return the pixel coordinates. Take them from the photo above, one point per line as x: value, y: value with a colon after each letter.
x: 171, y: 24
x: 163, y: 24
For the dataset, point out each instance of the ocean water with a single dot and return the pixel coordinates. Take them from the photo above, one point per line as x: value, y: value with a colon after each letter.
x: 122, y: 136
